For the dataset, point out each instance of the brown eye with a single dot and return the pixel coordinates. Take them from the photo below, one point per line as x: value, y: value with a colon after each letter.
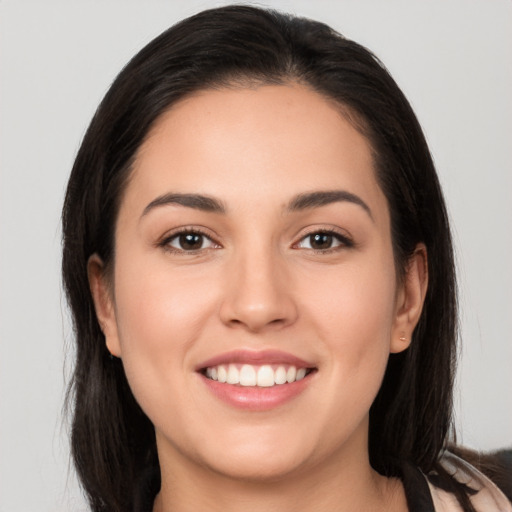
x: 324, y: 241
x: 190, y: 241
x: 320, y: 241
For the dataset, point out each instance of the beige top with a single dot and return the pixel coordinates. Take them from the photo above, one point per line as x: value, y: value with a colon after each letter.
x: 488, y: 498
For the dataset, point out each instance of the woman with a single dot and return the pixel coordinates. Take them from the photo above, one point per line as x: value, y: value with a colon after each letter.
x: 258, y: 260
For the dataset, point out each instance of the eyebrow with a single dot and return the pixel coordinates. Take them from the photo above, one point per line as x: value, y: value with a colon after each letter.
x: 324, y: 198
x: 298, y: 203
x: 196, y: 201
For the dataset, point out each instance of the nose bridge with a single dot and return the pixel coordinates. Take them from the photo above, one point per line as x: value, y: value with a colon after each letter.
x: 257, y: 293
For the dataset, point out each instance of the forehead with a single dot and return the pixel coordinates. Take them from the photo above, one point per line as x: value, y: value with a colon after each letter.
x: 272, y: 142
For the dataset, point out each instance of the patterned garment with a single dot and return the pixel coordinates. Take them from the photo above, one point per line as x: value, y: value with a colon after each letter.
x: 487, y: 498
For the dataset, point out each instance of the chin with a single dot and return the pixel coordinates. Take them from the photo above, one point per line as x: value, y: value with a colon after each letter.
x: 258, y: 469
x: 260, y: 459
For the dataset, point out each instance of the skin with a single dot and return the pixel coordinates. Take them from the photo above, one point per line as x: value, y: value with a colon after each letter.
x: 257, y: 284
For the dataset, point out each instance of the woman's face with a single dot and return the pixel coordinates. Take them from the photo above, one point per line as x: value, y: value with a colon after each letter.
x: 252, y: 247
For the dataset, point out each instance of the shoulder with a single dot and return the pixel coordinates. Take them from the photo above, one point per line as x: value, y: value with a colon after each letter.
x: 487, y: 497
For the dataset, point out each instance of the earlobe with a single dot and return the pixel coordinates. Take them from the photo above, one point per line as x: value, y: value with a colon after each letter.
x: 103, y: 303
x: 410, y: 300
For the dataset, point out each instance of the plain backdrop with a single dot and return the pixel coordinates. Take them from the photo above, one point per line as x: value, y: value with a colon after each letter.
x: 452, y: 58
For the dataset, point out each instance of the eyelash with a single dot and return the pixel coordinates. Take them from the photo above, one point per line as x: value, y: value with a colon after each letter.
x: 165, y: 243
x: 344, y: 241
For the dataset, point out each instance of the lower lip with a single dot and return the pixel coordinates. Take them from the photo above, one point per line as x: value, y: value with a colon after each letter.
x: 253, y: 398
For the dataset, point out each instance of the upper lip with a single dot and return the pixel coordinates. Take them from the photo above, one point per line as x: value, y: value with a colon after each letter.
x: 255, y: 358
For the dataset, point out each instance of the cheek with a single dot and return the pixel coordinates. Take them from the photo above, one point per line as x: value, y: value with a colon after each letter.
x: 354, y: 318
x: 157, y: 308
x: 158, y: 320
x: 357, y: 301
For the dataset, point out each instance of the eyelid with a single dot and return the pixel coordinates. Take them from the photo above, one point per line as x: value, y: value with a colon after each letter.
x: 164, y: 241
x: 342, y: 236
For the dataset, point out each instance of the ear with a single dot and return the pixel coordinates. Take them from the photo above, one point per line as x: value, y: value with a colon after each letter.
x: 103, y: 303
x: 410, y: 299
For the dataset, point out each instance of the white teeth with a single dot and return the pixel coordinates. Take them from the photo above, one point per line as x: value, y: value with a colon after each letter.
x: 233, y: 375
x: 291, y: 374
x: 280, y: 375
x: 300, y: 374
x: 265, y: 376
x: 248, y: 375
x: 222, y: 374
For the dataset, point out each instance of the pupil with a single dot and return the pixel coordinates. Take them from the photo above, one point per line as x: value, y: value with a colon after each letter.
x: 321, y: 241
x: 191, y: 241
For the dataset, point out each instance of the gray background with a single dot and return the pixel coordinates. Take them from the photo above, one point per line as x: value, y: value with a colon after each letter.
x: 453, y: 59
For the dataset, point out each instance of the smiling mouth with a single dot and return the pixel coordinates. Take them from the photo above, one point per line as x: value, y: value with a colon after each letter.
x: 262, y: 376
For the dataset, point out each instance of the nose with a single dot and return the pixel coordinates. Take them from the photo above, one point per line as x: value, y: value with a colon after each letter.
x: 258, y: 294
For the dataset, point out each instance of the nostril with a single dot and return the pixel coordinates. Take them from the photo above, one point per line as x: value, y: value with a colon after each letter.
x: 255, y: 295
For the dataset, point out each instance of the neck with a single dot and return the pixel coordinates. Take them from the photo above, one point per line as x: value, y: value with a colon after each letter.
x: 351, y: 485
